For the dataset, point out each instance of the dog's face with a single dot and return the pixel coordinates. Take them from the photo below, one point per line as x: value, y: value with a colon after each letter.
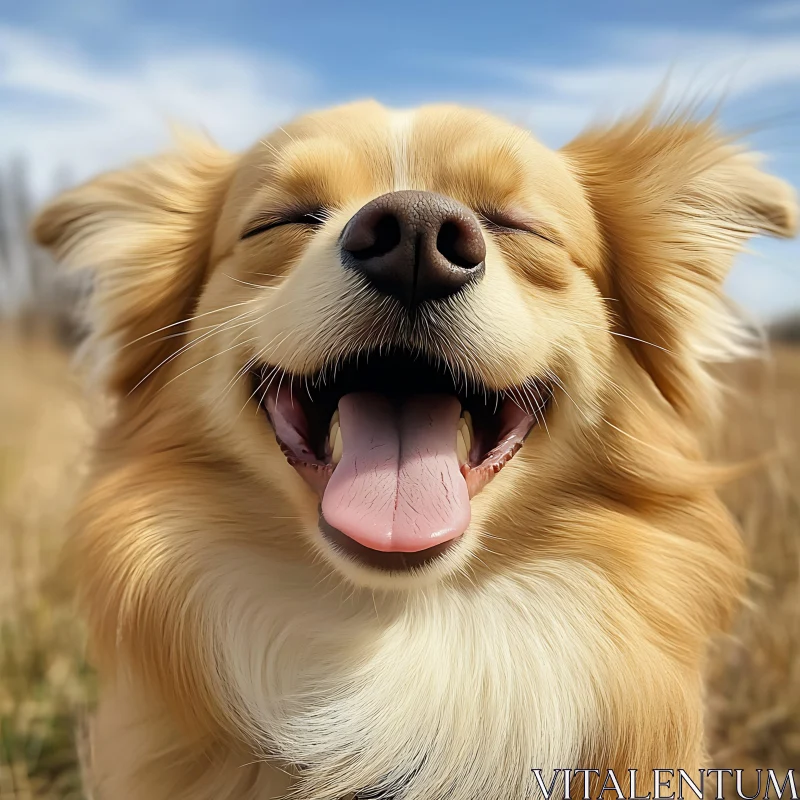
x: 372, y: 311
x: 408, y: 292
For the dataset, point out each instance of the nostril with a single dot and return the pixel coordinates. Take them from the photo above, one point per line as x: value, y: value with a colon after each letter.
x: 453, y: 242
x: 387, y: 235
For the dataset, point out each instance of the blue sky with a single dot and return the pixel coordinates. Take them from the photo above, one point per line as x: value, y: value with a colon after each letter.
x: 88, y: 84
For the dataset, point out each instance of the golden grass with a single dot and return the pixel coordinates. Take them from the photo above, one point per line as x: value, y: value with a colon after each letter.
x: 45, y: 684
x: 754, y: 682
x: 44, y: 681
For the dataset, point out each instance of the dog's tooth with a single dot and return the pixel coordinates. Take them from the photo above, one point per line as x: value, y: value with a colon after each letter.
x: 462, y: 451
x: 465, y: 429
x: 336, y: 446
x: 333, y: 429
x: 467, y: 417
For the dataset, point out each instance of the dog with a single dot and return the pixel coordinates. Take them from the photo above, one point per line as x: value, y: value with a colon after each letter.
x: 402, y: 496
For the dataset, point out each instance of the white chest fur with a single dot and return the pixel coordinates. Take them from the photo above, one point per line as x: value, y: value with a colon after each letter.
x: 448, y: 692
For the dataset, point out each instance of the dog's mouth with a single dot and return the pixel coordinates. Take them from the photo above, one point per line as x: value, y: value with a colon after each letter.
x: 395, y: 445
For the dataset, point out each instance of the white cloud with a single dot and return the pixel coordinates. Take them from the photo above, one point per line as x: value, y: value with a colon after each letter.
x: 636, y: 63
x: 739, y: 68
x: 61, y: 110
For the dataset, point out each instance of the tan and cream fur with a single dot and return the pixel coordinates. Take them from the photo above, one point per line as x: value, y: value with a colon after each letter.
x: 241, y: 656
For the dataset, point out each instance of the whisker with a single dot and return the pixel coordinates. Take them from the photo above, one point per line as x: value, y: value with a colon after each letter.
x: 190, y: 319
x: 253, y: 285
x: 205, y: 360
x: 240, y: 373
x: 563, y: 388
x: 606, y: 330
x: 269, y: 377
x: 225, y: 325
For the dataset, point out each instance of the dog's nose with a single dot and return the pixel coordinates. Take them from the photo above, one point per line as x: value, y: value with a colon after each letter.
x: 415, y: 246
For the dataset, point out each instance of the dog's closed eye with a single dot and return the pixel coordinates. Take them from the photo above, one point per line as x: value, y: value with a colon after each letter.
x: 516, y: 221
x: 266, y: 222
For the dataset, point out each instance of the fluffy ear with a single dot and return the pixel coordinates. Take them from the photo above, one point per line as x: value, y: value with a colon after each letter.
x: 146, y: 233
x: 676, y: 201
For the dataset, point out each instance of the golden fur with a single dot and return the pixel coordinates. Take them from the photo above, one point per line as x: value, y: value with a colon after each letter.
x: 240, y: 656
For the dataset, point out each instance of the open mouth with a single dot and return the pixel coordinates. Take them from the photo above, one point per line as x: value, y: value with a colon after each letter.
x: 395, y: 445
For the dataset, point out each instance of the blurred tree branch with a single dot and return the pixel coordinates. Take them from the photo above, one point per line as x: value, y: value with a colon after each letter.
x: 34, y: 292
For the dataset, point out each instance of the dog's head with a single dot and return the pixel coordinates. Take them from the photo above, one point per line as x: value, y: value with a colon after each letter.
x: 386, y: 325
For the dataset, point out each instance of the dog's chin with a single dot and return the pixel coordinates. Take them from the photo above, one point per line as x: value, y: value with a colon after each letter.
x: 395, y: 446
x: 361, y: 570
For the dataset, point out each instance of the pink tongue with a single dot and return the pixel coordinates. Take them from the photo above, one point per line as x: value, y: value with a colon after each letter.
x: 398, y: 486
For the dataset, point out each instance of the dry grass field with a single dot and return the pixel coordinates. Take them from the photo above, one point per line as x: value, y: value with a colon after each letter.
x: 754, y: 681
x: 44, y: 683
x: 46, y: 686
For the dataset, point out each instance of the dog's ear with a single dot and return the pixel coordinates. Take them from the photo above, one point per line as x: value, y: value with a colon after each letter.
x: 676, y: 201
x: 146, y: 233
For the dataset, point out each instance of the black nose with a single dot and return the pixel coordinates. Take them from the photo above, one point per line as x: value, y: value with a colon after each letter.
x: 415, y: 246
